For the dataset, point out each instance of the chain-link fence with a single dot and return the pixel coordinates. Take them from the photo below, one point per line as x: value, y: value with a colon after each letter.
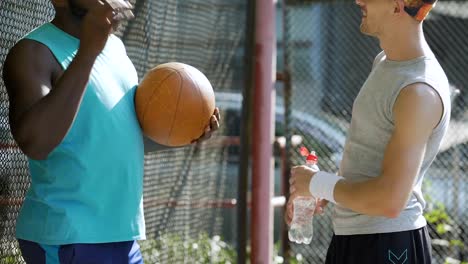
x: 186, y: 195
x: 188, y: 190
x: 328, y: 60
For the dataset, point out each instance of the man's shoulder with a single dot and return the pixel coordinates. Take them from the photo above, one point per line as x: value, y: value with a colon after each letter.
x: 379, y: 58
x: 27, y: 52
x: 28, y: 49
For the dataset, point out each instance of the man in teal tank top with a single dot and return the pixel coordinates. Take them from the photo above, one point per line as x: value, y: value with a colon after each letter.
x: 71, y: 88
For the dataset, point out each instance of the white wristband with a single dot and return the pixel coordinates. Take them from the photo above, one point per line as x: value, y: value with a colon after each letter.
x: 323, y: 184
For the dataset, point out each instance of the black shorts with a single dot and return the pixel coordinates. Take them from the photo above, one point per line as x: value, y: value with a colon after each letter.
x: 408, y: 247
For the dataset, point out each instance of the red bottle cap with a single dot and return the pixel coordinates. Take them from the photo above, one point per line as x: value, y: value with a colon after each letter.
x: 312, y: 157
x: 304, y: 151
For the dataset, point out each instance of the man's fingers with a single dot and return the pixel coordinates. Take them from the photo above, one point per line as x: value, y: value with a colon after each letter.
x: 320, y: 207
x: 105, y: 11
x: 318, y: 210
x: 292, y: 189
x: 207, y: 134
x: 292, y: 180
x: 119, y: 5
x: 287, y: 219
x: 322, y: 202
x: 292, y: 197
x: 103, y: 5
x: 217, y: 114
x: 214, y: 123
x: 289, y: 212
x: 121, y: 9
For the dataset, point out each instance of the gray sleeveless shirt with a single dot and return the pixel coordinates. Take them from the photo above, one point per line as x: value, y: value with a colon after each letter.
x: 371, y: 128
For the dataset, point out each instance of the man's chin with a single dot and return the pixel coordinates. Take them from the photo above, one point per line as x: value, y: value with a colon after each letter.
x: 365, y: 30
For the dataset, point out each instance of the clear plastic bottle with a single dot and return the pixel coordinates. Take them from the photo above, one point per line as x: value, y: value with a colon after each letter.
x: 302, y: 230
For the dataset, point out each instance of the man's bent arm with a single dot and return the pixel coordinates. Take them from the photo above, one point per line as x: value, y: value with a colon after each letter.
x: 417, y: 111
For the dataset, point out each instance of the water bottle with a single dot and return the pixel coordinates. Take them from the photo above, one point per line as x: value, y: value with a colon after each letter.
x: 302, y: 230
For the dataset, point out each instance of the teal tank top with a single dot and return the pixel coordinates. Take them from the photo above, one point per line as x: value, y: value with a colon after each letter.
x: 90, y: 187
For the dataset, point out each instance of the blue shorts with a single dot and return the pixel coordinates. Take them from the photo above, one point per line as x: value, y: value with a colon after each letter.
x: 105, y: 253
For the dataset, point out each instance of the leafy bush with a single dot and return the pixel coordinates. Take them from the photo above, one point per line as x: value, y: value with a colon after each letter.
x: 442, y: 227
x: 203, y: 249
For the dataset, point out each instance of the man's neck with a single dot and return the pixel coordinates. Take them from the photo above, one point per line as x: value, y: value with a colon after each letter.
x: 406, y: 44
x: 69, y: 25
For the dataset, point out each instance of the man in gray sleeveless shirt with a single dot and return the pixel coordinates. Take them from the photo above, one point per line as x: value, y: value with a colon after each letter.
x: 398, y: 121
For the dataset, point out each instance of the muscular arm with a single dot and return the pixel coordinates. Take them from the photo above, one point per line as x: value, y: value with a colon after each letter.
x: 417, y: 111
x: 42, y: 108
x: 41, y: 113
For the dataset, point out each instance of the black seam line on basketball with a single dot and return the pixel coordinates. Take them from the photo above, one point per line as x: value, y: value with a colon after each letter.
x: 201, y: 98
x: 145, y: 108
x: 177, y: 104
x: 152, y: 94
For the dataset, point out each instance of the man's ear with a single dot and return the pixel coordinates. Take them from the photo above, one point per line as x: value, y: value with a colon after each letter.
x: 399, y: 7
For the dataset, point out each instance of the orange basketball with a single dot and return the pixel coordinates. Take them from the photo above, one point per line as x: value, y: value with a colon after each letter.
x: 174, y: 103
